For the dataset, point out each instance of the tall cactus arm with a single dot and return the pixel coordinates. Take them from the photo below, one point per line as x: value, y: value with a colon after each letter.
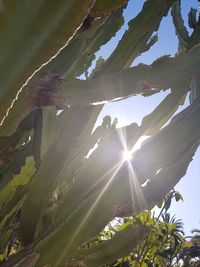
x: 119, y: 246
x: 165, y: 110
x: 44, y: 180
x: 104, y: 7
x: 38, y: 25
x: 48, y: 128
x: 44, y: 132
x: 37, y: 129
x: 158, y: 151
x: 80, y: 150
x: 137, y: 36
x: 142, y: 79
x: 181, y: 30
x: 168, y: 177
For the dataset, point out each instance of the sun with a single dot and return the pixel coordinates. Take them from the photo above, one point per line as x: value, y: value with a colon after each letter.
x: 127, y: 155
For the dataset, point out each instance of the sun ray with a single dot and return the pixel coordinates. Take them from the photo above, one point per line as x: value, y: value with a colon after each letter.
x: 137, y: 195
x: 139, y: 143
x: 104, y: 176
x: 117, y: 168
x: 122, y: 136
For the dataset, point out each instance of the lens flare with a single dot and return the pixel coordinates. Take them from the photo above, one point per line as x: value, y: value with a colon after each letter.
x: 127, y: 155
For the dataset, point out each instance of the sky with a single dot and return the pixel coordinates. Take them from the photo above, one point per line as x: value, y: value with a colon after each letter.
x: 135, y: 108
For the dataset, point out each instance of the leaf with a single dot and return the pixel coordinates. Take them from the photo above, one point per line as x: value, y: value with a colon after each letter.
x: 178, y: 196
x: 160, y: 203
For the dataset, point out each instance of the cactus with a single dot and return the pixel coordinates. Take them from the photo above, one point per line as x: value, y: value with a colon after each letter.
x: 181, y: 30
x: 120, y: 245
x: 53, y: 199
x: 37, y: 44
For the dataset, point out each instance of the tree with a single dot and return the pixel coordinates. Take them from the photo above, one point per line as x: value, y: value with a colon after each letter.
x: 190, y: 254
x: 162, y: 244
x: 53, y: 198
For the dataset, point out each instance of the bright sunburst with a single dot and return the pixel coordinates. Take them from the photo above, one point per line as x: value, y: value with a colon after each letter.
x: 127, y: 155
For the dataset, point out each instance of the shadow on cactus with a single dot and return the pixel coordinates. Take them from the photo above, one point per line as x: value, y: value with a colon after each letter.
x: 62, y: 181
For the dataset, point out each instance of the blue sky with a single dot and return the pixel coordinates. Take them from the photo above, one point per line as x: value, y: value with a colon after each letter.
x: 135, y: 108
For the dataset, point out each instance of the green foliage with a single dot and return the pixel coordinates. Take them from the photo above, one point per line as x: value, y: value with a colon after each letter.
x: 161, y: 246
x: 59, y: 206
